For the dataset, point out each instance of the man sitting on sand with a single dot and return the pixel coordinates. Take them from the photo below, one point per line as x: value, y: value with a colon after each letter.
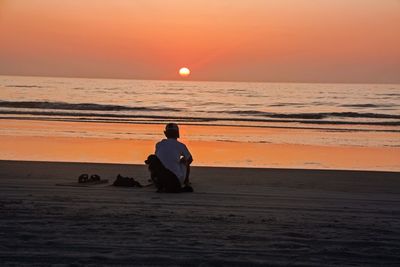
x: 170, y: 166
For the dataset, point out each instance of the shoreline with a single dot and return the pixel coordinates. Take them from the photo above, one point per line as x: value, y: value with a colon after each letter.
x: 233, y: 168
x: 210, y: 145
x: 205, y: 153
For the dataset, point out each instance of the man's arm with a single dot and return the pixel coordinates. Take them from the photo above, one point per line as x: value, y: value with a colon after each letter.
x: 186, y: 181
x: 186, y: 157
x: 186, y: 161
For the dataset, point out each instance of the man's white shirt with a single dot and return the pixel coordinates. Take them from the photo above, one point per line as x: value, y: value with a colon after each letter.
x: 170, y: 151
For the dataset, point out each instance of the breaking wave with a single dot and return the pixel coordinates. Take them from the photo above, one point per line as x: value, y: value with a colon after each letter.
x: 79, y: 106
x: 315, y: 116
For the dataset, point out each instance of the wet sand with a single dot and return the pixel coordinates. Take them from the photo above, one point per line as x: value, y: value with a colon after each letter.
x: 236, y: 217
x: 131, y: 143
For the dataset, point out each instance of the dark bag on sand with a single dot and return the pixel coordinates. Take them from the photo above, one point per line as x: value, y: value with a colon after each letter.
x: 126, y: 181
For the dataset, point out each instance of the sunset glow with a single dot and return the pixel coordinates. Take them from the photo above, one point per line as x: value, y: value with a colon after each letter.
x: 299, y: 41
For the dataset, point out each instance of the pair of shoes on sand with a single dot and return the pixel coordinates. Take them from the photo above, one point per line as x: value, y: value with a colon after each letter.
x: 84, y: 178
x: 126, y: 181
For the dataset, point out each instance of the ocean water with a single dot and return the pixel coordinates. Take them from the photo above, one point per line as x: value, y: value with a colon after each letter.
x: 323, y: 107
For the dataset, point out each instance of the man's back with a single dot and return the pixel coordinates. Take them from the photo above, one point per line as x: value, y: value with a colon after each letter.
x: 170, y: 151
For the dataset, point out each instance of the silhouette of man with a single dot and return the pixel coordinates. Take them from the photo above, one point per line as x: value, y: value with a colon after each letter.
x: 170, y: 166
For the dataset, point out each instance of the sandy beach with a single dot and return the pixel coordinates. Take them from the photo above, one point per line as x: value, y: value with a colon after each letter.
x: 235, y: 217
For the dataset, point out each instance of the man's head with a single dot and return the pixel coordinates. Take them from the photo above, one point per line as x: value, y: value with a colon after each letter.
x: 171, y: 130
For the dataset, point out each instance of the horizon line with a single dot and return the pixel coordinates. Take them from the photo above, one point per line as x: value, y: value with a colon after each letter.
x: 193, y: 80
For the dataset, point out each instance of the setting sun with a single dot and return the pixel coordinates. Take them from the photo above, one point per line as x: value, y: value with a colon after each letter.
x: 184, y: 72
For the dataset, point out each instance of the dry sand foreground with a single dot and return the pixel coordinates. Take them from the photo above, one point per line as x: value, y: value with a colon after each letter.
x: 245, y: 217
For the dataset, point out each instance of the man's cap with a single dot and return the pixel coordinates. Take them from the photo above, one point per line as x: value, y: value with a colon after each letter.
x: 172, y: 127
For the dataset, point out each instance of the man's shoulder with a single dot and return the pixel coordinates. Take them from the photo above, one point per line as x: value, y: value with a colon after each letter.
x: 183, y: 146
x: 161, y: 142
x: 170, y: 141
x: 180, y: 143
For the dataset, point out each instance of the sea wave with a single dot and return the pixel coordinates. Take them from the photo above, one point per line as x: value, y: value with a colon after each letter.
x: 77, y: 106
x: 314, y: 116
x: 116, y: 116
x: 367, y: 105
x: 23, y: 86
x: 95, y: 111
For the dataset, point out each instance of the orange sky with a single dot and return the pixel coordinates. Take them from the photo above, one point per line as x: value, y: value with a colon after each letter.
x: 238, y: 40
